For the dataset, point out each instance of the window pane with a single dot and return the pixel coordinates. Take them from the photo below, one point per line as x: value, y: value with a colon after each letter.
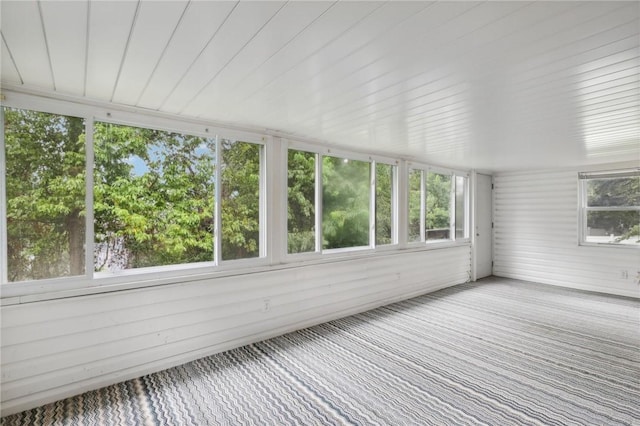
x: 613, y: 192
x: 461, y: 223
x: 384, y: 203
x: 415, y: 204
x: 153, y: 198
x: 621, y: 227
x: 345, y: 203
x: 240, y: 200
x: 45, y: 189
x: 301, y: 208
x: 438, y: 206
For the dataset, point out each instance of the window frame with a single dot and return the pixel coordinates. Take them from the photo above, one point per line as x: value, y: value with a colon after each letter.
x: 584, y: 209
x: 320, y: 153
x: 137, y: 277
x: 274, y: 149
x: 452, y: 241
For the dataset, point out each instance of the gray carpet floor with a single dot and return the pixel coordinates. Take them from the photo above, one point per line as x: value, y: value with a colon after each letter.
x: 496, y: 352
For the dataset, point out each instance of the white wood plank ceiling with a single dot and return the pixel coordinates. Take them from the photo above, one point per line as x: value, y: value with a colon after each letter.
x: 490, y: 85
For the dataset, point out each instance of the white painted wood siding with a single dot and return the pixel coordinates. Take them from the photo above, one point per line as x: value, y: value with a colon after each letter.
x: 57, y: 348
x: 536, y: 236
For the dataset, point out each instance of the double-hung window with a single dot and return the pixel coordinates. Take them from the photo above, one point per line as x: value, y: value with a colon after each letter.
x: 610, y: 208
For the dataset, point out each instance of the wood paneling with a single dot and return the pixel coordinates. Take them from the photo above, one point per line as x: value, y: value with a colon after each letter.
x: 536, y: 236
x: 23, y: 32
x: 56, y: 348
x: 542, y: 84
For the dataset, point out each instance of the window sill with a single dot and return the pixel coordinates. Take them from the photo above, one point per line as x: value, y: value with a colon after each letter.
x: 609, y: 245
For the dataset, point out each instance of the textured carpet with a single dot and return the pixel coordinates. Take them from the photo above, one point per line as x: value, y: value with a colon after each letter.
x: 498, y: 352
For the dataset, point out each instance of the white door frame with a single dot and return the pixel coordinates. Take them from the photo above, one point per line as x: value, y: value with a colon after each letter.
x: 474, y: 219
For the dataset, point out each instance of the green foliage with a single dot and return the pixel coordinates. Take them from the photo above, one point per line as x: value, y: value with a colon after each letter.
x: 301, y: 202
x: 45, y: 188
x: 153, y: 197
x: 618, y: 192
x: 415, y: 204
x: 345, y: 203
x: 438, y: 201
x: 240, y: 200
x: 384, y: 193
x: 632, y: 234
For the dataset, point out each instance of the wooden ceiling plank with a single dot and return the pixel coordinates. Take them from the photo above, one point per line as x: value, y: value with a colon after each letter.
x: 110, y: 24
x: 22, y: 31
x: 153, y: 30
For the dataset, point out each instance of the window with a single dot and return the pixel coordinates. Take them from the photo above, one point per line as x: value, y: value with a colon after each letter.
x: 438, y: 206
x: 357, y: 199
x: 384, y: 204
x: 153, y: 198
x: 301, y: 206
x: 416, y: 212
x: 610, y: 208
x: 462, y: 212
x: 166, y: 201
x: 45, y: 195
x: 345, y: 202
x: 159, y: 198
x: 241, y: 180
x: 438, y: 209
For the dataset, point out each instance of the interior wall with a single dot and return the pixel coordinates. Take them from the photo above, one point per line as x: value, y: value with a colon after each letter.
x: 58, y: 348
x: 536, y: 237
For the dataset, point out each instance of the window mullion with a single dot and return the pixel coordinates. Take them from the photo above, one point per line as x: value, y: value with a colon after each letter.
x: 452, y: 208
x: 89, y: 218
x: 4, y: 277
x: 423, y: 205
x: 217, y: 238
x: 395, y: 204
x: 318, y: 202
x: 263, y: 225
x: 372, y: 204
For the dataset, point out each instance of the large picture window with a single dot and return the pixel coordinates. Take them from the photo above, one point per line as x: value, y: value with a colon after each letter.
x: 45, y: 195
x: 610, y: 208
x: 153, y: 198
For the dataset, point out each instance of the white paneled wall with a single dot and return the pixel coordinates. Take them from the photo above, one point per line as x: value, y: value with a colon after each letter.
x: 536, y: 237
x: 57, y: 348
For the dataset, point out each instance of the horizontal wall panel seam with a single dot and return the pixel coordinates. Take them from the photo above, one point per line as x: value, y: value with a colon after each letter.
x: 236, y: 300
x: 536, y: 235
x: 59, y: 307
x: 19, y: 387
x: 71, y: 357
x: 87, y: 336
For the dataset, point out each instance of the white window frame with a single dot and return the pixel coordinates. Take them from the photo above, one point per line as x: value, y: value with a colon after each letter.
x: 273, y: 247
x: 395, y: 172
x: 583, y: 208
x: 321, y: 152
x: 138, y: 277
x: 425, y: 169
